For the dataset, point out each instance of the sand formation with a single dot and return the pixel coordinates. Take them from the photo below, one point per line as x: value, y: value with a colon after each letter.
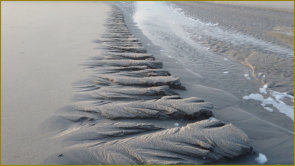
x: 128, y: 113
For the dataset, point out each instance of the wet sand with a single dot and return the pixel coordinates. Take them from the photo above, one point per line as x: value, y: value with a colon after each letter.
x: 131, y: 104
x: 270, y: 22
x: 264, y: 130
x: 275, y: 129
x: 43, y: 47
x: 274, y: 5
x: 129, y: 113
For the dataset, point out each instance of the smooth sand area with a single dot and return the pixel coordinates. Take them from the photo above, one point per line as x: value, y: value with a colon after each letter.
x: 277, y: 5
x: 43, y: 45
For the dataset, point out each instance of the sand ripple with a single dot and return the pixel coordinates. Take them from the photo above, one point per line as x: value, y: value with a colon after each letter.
x: 123, y: 112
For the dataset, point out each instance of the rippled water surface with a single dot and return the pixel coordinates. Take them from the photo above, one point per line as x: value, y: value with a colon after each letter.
x: 203, y: 48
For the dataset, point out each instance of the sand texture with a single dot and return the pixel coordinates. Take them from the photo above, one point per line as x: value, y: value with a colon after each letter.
x: 262, y: 23
x: 122, y: 113
x: 43, y: 46
x: 123, y: 83
x: 274, y: 5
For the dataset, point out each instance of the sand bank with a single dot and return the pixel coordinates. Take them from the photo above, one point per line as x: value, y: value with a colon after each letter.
x: 43, y: 45
x: 129, y: 113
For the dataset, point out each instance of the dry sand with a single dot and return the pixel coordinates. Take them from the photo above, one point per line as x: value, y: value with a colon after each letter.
x: 43, y: 44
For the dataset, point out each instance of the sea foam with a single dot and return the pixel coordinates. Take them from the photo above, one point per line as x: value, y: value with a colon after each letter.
x: 261, y: 159
x: 275, y: 99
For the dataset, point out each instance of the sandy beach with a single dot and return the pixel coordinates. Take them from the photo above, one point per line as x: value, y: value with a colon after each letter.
x: 123, y: 83
x: 274, y: 5
x: 270, y: 22
x: 43, y: 47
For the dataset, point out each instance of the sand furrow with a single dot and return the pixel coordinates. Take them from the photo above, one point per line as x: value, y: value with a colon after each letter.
x: 120, y: 117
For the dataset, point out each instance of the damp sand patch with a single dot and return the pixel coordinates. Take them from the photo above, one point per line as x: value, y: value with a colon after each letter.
x: 128, y: 91
x: 283, y: 34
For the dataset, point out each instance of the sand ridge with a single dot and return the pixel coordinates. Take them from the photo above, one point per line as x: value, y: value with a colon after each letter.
x: 112, y: 125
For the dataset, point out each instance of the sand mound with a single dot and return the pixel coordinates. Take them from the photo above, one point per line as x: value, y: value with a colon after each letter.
x: 197, y: 143
x: 119, y: 114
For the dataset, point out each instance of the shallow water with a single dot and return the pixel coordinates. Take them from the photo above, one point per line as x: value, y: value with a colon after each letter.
x: 130, y: 113
x: 131, y: 104
x: 211, y: 51
x: 266, y: 39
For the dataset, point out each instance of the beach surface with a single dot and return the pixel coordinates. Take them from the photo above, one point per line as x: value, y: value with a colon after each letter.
x: 124, y: 83
x: 197, y: 45
x: 263, y: 37
x: 274, y: 5
x: 43, y: 47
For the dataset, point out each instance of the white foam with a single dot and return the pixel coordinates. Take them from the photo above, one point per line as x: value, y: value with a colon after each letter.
x: 268, y: 109
x: 261, y: 159
x: 253, y: 96
x: 275, y: 100
x: 226, y: 72
x: 149, y: 14
x: 263, y: 89
x: 280, y: 95
x: 261, y: 75
x: 212, y: 118
x: 176, y: 124
x: 247, y: 76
